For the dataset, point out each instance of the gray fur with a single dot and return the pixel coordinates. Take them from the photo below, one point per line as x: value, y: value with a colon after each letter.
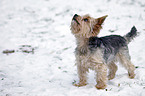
x: 111, y: 45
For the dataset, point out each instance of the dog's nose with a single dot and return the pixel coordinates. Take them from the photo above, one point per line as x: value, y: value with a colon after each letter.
x: 75, y: 16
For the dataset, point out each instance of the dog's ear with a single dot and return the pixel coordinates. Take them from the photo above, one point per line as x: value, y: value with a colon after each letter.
x: 101, y: 20
x: 98, y: 25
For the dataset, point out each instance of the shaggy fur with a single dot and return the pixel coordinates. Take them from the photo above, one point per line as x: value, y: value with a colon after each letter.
x: 99, y: 53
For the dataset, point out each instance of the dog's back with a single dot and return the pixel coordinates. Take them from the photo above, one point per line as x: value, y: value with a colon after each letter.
x: 112, y: 44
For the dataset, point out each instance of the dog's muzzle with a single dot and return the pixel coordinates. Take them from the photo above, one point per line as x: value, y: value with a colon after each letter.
x: 74, y: 18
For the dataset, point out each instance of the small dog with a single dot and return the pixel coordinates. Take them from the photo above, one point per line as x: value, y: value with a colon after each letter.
x: 99, y: 53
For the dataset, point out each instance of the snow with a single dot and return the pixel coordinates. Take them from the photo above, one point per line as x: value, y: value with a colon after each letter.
x: 43, y: 63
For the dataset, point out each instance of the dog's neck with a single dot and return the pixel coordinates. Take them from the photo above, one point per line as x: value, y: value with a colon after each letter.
x: 82, y: 45
x: 81, y: 41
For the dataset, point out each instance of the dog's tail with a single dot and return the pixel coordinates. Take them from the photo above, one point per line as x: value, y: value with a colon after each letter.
x: 131, y: 35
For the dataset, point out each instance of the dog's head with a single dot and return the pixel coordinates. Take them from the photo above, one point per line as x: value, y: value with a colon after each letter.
x: 86, y: 26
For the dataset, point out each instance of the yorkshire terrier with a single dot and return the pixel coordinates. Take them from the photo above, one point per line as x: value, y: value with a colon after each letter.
x: 99, y: 53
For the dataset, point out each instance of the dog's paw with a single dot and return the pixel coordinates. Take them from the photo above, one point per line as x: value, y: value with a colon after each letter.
x: 131, y: 75
x: 80, y: 84
x: 101, y: 86
x: 110, y: 77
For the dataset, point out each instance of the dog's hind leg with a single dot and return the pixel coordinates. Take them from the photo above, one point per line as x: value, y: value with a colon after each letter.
x: 112, y: 70
x: 125, y: 61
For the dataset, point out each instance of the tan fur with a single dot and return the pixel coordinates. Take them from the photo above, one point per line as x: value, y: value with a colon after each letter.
x: 112, y: 70
x: 127, y: 64
x: 87, y: 29
x: 85, y: 60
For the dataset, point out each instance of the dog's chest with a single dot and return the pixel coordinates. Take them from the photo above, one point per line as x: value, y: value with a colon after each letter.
x: 88, y: 58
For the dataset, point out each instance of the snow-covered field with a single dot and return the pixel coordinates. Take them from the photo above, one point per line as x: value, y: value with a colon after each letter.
x: 42, y: 62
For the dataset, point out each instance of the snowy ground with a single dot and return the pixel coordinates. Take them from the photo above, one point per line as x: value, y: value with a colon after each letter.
x: 42, y: 62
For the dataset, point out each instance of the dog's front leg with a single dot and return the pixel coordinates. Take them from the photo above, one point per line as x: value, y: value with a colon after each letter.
x: 82, y: 74
x: 101, y: 76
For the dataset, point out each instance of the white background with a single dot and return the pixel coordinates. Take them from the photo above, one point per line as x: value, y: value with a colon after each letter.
x: 51, y: 70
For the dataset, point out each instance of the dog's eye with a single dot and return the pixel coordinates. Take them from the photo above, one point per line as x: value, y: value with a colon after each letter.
x: 85, y: 19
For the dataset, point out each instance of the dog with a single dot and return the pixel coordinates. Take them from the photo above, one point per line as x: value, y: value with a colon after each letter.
x: 99, y: 53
